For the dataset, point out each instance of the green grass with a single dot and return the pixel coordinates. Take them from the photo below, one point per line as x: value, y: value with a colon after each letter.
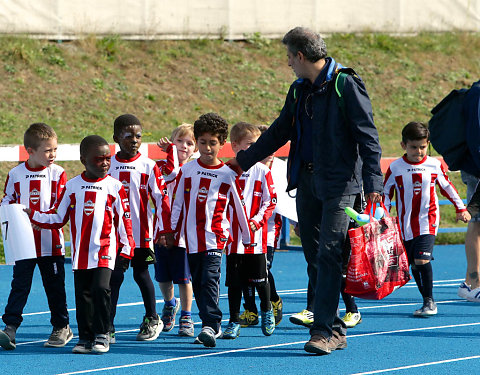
x: 80, y: 87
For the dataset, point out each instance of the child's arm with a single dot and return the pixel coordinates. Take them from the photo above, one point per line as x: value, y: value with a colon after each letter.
x: 158, y: 193
x: 178, y: 200
x: 124, y: 224
x: 268, y: 202
x: 168, y: 168
x: 56, y: 217
x: 239, y: 206
x: 388, y: 189
x: 10, y: 195
x: 448, y: 191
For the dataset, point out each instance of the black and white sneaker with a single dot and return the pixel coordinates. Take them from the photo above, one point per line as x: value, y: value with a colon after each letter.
x: 208, y: 337
x: 101, y: 344
x: 59, y: 337
x: 429, y: 308
x: 150, y: 329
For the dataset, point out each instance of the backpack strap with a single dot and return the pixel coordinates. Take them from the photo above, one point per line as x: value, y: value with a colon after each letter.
x: 339, y: 85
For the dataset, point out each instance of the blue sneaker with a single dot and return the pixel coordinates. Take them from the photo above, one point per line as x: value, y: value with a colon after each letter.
x: 168, y: 315
x: 232, y: 331
x: 268, y: 322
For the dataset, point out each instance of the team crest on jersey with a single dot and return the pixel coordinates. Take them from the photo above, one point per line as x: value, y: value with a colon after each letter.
x: 126, y: 185
x: 88, y: 207
x: 34, y: 196
x: 417, y: 187
x: 202, y: 194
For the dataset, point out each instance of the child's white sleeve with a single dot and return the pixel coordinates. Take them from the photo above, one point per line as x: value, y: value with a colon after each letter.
x: 56, y: 217
x: 178, y: 200
x: 124, y: 223
x: 158, y: 193
x: 268, y: 201
x: 388, y: 189
x: 10, y: 195
x: 448, y: 190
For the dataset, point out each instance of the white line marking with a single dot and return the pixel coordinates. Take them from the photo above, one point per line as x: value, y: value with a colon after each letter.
x: 262, y: 347
x: 418, y: 365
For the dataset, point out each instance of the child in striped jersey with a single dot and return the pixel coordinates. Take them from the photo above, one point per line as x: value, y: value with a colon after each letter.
x: 274, y: 225
x: 204, y: 189
x: 37, y: 184
x: 172, y: 263
x: 412, y: 178
x: 143, y: 182
x: 248, y: 266
x: 97, y: 206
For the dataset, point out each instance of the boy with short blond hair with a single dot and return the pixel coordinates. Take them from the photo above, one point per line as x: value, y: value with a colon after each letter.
x: 38, y: 184
x: 248, y: 266
x: 172, y: 263
x: 204, y: 189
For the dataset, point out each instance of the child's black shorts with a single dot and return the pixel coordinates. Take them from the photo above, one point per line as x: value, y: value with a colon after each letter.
x: 143, y: 256
x: 243, y: 269
x: 420, y: 247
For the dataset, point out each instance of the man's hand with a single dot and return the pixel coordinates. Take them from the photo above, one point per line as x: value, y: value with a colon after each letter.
x: 28, y: 211
x: 463, y: 216
x: 233, y: 164
x: 373, y: 197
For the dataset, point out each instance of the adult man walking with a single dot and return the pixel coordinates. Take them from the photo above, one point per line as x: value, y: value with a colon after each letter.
x: 332, y: 151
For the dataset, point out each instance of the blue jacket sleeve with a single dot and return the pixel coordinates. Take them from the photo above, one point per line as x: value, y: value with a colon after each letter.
x: 279, y: 133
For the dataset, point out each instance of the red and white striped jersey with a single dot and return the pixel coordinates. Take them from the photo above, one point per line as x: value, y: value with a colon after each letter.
x: 38, y: 189
x: 417, y: 201
x: 274, y: 227
x: 99, y: 221
x: 260, y: 199
x: 200, y: 205
x: 142, y: 180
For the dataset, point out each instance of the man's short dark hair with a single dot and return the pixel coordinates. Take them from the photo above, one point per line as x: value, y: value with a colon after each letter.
x: 415, y: 131
x: 213, y: 124
x: 123, y: 121
x: 90, y: 142
x: 306, y: 41
x: 36, y: 133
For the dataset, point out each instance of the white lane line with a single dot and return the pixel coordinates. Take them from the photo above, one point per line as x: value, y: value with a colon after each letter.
x: 138, y: 364
x: 418, y: 365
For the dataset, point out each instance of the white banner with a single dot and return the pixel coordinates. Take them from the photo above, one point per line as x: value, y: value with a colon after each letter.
x: 229, y: 19
x: 17, y: 233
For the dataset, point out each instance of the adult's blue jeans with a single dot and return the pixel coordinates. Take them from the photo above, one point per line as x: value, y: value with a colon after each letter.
x: 323, y: 231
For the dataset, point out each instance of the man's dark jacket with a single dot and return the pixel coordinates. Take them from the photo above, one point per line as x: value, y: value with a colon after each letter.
x: 340, y: 144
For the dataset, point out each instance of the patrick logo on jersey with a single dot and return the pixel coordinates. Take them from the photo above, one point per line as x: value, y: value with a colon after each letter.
x: 89, y: 206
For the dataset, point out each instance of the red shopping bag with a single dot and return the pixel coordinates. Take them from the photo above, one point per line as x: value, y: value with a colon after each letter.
x: 378, y: 262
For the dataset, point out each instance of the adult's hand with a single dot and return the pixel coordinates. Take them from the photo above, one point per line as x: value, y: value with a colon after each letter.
x: 233, y: 163
x: 373, y: 197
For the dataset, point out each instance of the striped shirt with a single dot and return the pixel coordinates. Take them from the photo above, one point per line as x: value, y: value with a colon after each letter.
x: 260, y: 199
x: 200, y: 205
x: 417, y: 202
x: 38, y: 189
x: 99, y: 217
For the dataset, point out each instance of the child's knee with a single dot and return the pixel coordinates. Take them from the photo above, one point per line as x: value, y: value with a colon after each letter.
x: 420, y: 262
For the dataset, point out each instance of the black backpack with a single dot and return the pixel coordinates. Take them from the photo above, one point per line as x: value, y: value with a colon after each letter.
x: 454, y: 129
